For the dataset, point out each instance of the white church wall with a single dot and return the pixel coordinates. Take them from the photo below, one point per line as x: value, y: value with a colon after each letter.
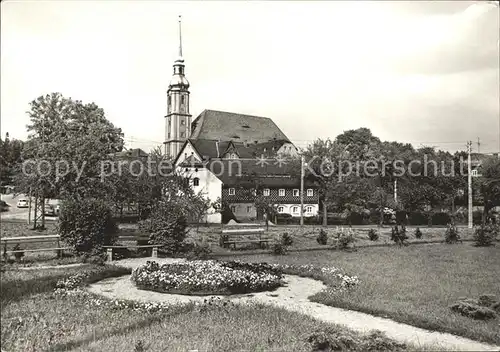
x: 209, y: 187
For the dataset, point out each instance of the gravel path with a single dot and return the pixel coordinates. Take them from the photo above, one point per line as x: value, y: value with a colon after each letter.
x: 294, y: 297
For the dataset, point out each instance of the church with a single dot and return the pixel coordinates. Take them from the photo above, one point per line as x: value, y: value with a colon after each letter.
x: 226, y: 155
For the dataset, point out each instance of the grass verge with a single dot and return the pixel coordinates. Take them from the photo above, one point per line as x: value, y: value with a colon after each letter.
x: 413, y: 285
x: 44, y: 320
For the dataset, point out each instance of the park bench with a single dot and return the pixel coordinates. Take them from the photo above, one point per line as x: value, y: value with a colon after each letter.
x: 232, y: 235
x: 12, y: 241
x: 136, y: 239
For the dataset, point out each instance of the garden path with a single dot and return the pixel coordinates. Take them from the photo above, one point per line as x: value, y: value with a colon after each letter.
x: 294, y: 297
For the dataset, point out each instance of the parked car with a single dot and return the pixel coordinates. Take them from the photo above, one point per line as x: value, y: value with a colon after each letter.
x: 22, y: 203
x: 3, y: 206
x: 49, y: 210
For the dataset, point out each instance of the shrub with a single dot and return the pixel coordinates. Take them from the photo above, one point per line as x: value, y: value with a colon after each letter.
x: 167, y: 226
x: 279, y: 248
x: 18, y: 255
x: 401, y: 217
x: 200, y: 250
x: 206, y: 277
x: 355, y: 218
x: 418, y: 233
x: 441, y: 219
x: 86, y: 225
x: 322, y: 237
x: 96, y: 259
x: 373, y: 235
x: 417, y: 218
x: 487, y: 300
x: 377, y: 341
x: 484, y: 235
x: 286, y: 239
x: 222, y: 241
x: 344, y: 238
x: 398, y: 235
x: 472, y: 310
x: 477, y: 217
x: 335, y: 339
x: 451, y: 235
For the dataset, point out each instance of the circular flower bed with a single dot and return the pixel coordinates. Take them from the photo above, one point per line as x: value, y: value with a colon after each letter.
x: 207, y: 277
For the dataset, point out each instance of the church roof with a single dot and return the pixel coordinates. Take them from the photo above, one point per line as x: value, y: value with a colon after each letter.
x: 208, y: 148
x: 226, y: 126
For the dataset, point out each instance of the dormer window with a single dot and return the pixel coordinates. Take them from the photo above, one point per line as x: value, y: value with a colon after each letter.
x: 231, y: 191
x: 266, y: 192
x: 196, y: 181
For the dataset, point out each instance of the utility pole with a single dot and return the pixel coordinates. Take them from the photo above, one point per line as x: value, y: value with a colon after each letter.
x: 302, y: 191
x: 469, y: 179
x: 478, y: 145
x: 395, y: 190
x: 29, y: 208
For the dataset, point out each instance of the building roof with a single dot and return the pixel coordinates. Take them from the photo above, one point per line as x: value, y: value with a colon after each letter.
x: 212, y: 149
x: 253, y: 172
x: 226, y: 126
x: 131, y: 153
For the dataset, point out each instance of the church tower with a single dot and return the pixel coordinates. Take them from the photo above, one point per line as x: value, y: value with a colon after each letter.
x: 178, y: 118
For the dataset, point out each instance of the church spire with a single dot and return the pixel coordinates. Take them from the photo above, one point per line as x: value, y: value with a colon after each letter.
x: 178, y: 118
x: 180, y: 38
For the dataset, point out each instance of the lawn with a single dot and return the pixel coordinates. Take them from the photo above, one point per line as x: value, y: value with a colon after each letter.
x: 414, y: 284
x: 35, y: 318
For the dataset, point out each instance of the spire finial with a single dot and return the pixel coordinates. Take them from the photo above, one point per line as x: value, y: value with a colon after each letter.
x: 180, y: 37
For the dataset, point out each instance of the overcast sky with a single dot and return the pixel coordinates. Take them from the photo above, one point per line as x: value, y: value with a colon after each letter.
x: 419, y: 72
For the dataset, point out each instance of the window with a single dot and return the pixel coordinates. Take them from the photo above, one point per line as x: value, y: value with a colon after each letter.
x: 183, y: 134
x: 281, y: 192
x: 249, y: 208
x: 183, y: 122
x: 296, y: 192
x: 267, y: 192
x: 196, y: 181
x: 233, y: 208
x: 281, y: 209
x: 295, y: 209
x: 309, y: 209
x: 310, y: 192
x: 169, y: 100
x: 183, y: 99
x: 474, y: 172
x: 231, y: 191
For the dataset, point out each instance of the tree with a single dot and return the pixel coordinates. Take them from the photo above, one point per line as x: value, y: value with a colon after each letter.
x: 490, y: 187
x: 69, y: 141
x: 10, y: 159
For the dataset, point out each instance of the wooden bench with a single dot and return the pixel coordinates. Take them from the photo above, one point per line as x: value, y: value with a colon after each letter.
x: 137, y: 238
x: 4, y: 242
x: 244, y: 230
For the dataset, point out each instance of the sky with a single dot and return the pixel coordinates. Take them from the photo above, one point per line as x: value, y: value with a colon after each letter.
x: 425, y: 73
